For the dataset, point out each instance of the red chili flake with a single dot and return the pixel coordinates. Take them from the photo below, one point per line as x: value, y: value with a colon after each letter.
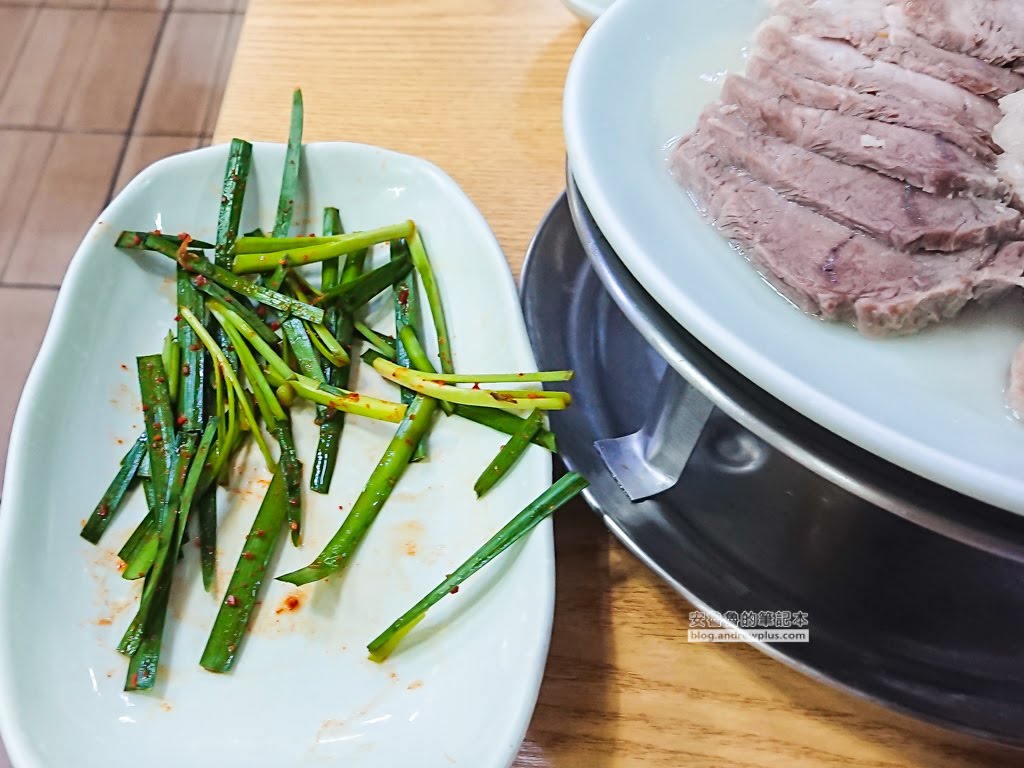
x: 156, y: 424
x: 232, y: 648
x: 195, y: 347
x: 182, y: 420
x: 231, y: 601
x: 160, y: 380
x: 455, y: 589
x: 186, y: 369
x: 403, y: 296
x: 340, y: 506
x: 157, y: 232
x: 136, y: 240
x: 145, y: 408
x: 311, y: 235
x: 134, y: 681
x: 283, y: 262
x: 157, y: 438
x: 293, y: 502
x: 274, y: 325
x: 261, y: 310
x: 533, y: 396
x: 177, y: 318
x: 354, y: 397
x: 200, y: 280
x: 124, y: 367
x: 228, y: 299
x: 293, y: 525
x: 103, y: 511
x: 476, y: 386
x: 248, y: 555
x: 261, y: 533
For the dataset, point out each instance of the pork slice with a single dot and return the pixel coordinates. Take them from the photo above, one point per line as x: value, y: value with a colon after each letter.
x: 832, y: 271
x: 879, y: 29
x: 906, y: 112
x: 925, y: 161
x: 839, y: 63
x: 897, y: 213
x: 991, y: 30
x: 859, y: 22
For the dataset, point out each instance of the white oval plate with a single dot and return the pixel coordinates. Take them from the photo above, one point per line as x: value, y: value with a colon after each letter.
x: 932, y: 403
x: 303, y: 692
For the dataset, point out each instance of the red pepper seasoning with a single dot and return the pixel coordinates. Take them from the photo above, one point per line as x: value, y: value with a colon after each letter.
x: 231, y: 601
x: 186, y: 369
x: 455, y: 589
x: 182, y: 420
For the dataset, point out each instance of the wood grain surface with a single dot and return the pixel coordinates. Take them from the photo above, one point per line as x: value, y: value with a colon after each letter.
x: 476, y: 88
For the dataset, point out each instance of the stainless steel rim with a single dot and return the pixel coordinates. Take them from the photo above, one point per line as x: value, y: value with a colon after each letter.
x: 882, y: 484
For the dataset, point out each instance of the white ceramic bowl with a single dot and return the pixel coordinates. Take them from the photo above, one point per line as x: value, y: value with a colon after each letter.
x: 932, y: 403
x: 588, y: 10
x: 303, y: 692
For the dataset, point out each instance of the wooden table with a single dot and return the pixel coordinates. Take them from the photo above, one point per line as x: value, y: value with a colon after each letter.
x: 476, y: 88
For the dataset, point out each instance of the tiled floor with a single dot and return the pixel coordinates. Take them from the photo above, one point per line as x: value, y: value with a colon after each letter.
x: 91, y: 92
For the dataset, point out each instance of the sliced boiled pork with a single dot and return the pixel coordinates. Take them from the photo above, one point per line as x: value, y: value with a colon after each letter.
x: 928, y: 162
x: 832, y: 271
x: 880, y: 30
x: 898, y: 214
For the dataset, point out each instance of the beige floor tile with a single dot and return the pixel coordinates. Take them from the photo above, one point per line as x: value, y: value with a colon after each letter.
x: 27, y: 310
x: 15, y: 24
x: 223, y: 71
x: 183, y: 82
x: 223, y: 6
x: 22, y: 157
x: 149, y: 5
x: 146, y: 150
x: 73, y: 3
x: 70, y: 195
x: 108, y: 88
x: 44, y: 78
